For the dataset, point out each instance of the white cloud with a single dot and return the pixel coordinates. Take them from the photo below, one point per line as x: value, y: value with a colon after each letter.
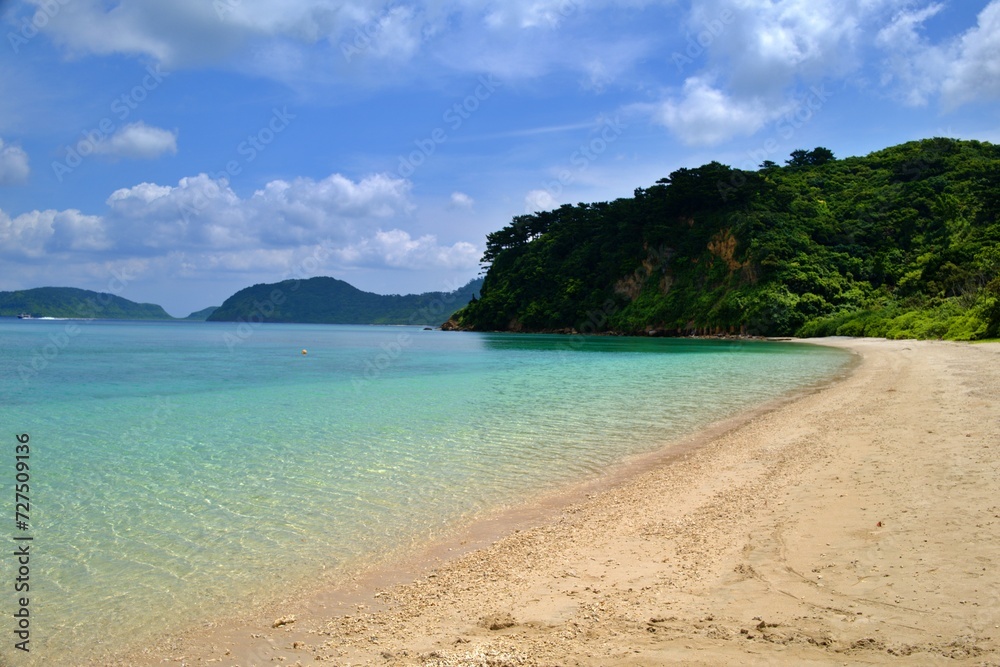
x: 532, y: 14
x: 396, y: 248
x: 195, y: 32
x: 974, y: 74
x: 902, y: 32
x: 707, y: 115
x: 72, y: 230
x: 756, y: 58
x: 461, y: 200
x: 24, y: 235
x: 40, y: 233
x: 204, y: 221
x: 379, y: 195
x: 177, y: 33
x: 540, y: 200
x: 752, y: 61
x: 768, y: 45
x: 14, y: 167
x: 764, y: 46
x: 909, y: 58
x: 138, y: 141
x: 301, y: 42
x: 958, y: 70
x: 200, y: 212
x: 396, y: 35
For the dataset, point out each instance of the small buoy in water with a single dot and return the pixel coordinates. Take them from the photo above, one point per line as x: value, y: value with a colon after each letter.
x: 304, y: 352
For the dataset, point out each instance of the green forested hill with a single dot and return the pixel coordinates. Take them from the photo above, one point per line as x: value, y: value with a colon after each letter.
x: 330, y: 301
x: 202, y: 315
x: 73, y: 302
x: 904, y: 242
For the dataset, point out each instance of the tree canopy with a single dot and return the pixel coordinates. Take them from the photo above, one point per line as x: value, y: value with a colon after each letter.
x: 76, y: 303
x: 904, y: 242
x: 324, y: 300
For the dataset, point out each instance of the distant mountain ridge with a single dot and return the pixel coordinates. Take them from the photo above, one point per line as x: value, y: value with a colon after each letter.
x: 320, y: 300
x: 77, y: 303
x: 324, y: 300
x: 202, y: 315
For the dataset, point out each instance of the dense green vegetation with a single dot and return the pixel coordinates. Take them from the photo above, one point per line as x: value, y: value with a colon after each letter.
x: 904, y: 242
x: 73, y: 302
x: 202, y: 315
x: 331, y: 301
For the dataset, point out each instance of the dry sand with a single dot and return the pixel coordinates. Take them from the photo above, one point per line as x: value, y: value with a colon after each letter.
x: 859, y: 524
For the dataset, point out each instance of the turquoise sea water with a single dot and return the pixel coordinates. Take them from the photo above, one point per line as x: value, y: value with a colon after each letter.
x: 198, y: 467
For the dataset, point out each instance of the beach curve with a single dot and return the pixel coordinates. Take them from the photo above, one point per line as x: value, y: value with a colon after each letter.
x: 857, y: 524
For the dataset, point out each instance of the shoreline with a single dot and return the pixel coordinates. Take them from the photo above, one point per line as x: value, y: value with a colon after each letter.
x: 343, y: 588
x: 506, y: 568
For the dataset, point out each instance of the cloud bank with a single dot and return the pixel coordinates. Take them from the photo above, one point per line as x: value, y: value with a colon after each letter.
x: 201, y: 223
x: 14, y: 167
x: 138, y: 141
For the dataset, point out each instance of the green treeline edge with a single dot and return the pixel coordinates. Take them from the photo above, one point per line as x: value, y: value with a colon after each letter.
x: 76, y: 303
x: 901, y: 243
x: 324, y: 300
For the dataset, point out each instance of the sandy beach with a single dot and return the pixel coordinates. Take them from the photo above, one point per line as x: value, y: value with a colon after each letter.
x: 857, y: 524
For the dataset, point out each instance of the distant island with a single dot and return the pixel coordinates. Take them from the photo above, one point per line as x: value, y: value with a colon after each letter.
x: 325, y: 300
x: 76, y: 303
x: 316, y: 300
x: 902, y: 243
x: 203, y: 314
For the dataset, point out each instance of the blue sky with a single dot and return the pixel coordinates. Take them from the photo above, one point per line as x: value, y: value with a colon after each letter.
x: 175, y: 152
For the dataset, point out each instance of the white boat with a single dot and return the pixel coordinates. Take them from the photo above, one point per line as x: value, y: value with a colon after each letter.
x: 25, y: 316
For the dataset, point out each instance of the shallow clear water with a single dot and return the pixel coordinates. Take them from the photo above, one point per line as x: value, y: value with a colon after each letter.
x: 192, y: 467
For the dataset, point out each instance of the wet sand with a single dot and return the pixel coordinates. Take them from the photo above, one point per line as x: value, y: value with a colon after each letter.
x: 858, y: 524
